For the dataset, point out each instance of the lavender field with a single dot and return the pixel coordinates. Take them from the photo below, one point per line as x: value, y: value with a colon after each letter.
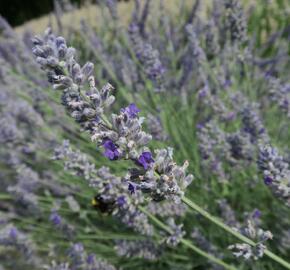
x: 152, y: 134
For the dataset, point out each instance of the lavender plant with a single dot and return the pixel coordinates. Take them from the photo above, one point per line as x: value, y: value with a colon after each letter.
x: 212, y: 88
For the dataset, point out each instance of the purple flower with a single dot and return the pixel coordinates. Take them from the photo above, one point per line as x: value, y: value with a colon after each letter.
x: 132, y: 188
x: 132, y: 110
x: 90, y: 259
x: 121, y: 200
x: 227, y: 83
x: 146, y: 160
x: 200, y: 125
x: 268, y: 180
x: 230, y: 116
x: 13, y: 233
x: 55, y: 218
x: 256, y: 213
x: 111, y: 150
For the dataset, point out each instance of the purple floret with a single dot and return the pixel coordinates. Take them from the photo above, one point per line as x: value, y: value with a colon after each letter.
x: 90, y: 259
x: 257, y: 213
x: 131, y: 110
x: 55, y: 219
x: 121, y: 200
x: 268, y: 180
x: 13, y: 233
x: 111, y: 150
x: 145, y: 160
x: 132, y: 188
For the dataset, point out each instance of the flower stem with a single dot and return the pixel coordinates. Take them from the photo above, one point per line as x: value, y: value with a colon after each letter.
x: 186, y: 242
x: 238, y: 235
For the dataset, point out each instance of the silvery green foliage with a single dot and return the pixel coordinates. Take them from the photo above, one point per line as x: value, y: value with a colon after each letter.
x: 275, y: 171
x: 258, y: 235
x: 145, y: 249
x: 176, y: 234
x: 167, y: 209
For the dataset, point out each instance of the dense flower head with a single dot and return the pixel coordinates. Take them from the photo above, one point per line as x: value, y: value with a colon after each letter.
x: 163, y: 180
x: 275, y: 171
x: 111, y: 188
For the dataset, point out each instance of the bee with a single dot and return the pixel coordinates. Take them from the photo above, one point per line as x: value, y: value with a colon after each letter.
x: 100, y: 204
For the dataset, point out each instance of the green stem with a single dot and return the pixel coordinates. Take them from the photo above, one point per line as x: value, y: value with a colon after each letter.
x: 238, y: 235
x: 186, y: 242
x: 111, y: 236
x: 5, y: 197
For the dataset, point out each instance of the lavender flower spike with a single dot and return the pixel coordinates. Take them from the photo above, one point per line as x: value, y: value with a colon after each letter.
x: 121, y: 134
x: 275, y: 171
x: 252, y: 252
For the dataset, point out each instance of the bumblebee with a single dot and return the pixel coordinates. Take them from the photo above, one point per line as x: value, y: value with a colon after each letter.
x: 100, y: 204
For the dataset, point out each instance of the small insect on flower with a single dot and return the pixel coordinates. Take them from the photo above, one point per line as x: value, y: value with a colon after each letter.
x: 103, y: 205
